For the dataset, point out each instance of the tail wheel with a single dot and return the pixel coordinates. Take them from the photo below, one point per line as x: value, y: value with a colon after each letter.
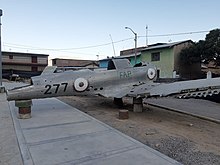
x: 81, y: 84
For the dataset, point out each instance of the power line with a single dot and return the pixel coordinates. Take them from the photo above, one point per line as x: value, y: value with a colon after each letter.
x: 40, y: 49
x: 94, y: 46
x: 175, y: 34
x: 99, y: 45
x: 52, y: 49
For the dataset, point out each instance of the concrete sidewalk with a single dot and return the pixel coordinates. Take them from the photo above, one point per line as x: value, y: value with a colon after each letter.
x: 196, y: 107
x: 60, y: 134
x: 9, y: 149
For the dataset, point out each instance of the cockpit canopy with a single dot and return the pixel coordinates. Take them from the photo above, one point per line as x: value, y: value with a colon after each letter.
x: 119, y: 64
x: 123, y: 64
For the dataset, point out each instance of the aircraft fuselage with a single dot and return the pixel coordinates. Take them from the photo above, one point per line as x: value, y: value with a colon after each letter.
x: 81, y: 82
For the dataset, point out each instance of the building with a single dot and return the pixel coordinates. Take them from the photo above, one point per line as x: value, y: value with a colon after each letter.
x: 130, y: 54
x: 165, y: 56
x: 103, y: 63
x: 74, y: 63
x: 23, y: 64
x: 211, y: 67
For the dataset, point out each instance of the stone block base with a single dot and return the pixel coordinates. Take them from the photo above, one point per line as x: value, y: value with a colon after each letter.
x: 137, y: 104
x: 24, y: 108
x: 123, y: 114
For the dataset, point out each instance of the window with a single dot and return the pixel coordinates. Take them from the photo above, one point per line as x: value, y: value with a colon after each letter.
x: 10, y: 56
x: 155, y: 56
x: 34, y: 59
x: 34, y: 69
x: 54, y: 61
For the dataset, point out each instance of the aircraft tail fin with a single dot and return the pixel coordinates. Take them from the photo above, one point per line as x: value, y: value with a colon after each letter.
x: 49, y: 70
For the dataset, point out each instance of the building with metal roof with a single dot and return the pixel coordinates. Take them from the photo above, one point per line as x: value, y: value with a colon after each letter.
x: 74, y: 63
x: 165, y: 57
x: 23, y: 64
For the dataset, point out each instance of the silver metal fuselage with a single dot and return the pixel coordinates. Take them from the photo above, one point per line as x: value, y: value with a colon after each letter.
x: 63, y: 84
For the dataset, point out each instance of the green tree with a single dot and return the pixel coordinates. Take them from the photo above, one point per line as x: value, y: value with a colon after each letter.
x: 206, y: 50
x: 190, y: 54
x: 212, y: 47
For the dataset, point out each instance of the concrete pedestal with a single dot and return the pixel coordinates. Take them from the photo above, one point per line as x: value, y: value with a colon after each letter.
x: 24, y: 108
x: 123, y: 114
x: 137, y: 104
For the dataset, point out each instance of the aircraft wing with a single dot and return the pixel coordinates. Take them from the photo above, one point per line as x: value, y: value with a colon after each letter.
x: 118, y: 92
x: 183, y: 89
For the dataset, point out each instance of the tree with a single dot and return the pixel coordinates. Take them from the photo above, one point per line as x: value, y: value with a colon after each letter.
x: 206, y: 50
x: 190, y: 55
x: 212, y: 47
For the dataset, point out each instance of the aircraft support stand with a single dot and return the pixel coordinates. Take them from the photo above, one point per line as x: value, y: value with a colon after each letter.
x: 24, y: 108
x: 118, y: 102
x: 137, y: 104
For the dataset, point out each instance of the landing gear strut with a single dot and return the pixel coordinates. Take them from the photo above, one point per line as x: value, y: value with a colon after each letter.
x: 118, y: 102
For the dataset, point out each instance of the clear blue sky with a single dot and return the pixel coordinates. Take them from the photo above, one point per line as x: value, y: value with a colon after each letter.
x: 54, y: 26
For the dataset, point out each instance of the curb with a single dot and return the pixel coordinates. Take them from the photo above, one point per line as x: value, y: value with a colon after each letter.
x: 183, y: 112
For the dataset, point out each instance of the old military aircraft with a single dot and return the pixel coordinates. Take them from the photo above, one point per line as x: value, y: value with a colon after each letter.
x: 119, y: 80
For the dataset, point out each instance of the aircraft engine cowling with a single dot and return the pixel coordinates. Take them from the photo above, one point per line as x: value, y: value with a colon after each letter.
x: 151, y: 73
x: 81, y: 84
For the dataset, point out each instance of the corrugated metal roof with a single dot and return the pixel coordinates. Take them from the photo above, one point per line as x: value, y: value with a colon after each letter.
x: 127, y: 56
x: 168, y: 45
x: 74, y: 62
x: 120, y: 57
x: 22, y: 54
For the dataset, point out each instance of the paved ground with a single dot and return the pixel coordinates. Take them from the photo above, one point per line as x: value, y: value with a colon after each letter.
x: 68, y: 136
x: 9, y: 150
x: 185, y: 138
x: 196, y: 107
x: 60, y: 134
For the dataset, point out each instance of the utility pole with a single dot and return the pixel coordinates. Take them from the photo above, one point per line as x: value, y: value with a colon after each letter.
x: 0, y: 50
x: 135, y: 40
x: 112, y: 44
x: 146, y: 35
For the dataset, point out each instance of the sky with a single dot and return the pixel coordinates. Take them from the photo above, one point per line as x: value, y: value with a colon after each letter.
x: 95, y: 29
